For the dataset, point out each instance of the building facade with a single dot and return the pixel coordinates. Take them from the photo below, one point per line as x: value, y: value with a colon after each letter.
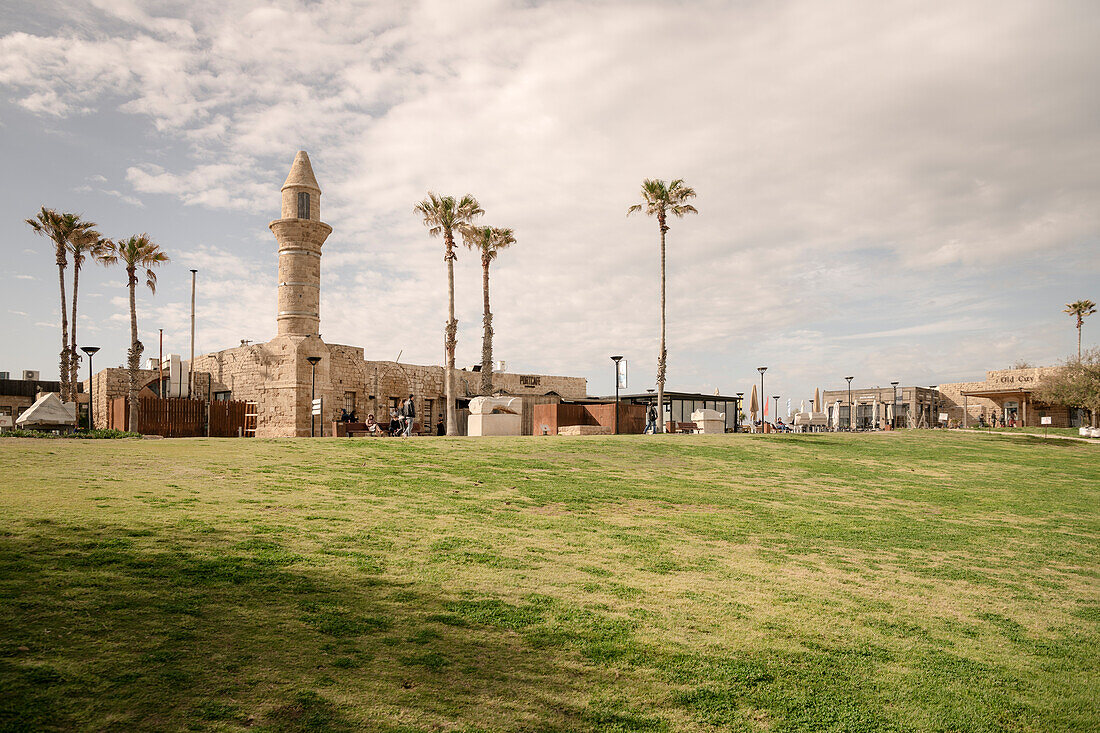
x: 1009, y: 395
x: 915, y: 407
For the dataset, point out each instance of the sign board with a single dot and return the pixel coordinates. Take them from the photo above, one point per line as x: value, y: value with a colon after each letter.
x: 316, y: 407
x: 1046, y: 420
x: 943, y: 417
x: 621, y: 373
x: 6, y: 421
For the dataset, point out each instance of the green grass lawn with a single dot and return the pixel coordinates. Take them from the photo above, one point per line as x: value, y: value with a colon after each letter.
x: 911, y: 581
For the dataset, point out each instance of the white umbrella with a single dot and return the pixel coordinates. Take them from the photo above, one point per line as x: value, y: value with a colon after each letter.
x: 788, y: 409
x: 802, y: 406
x: 754, y: 404
x: 836, y: 413
x: 874, y: 414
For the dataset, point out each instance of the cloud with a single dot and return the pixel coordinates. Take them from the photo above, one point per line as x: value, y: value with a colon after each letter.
x: 858, y: 165
x: 16, y: 313
x: 25, y: 277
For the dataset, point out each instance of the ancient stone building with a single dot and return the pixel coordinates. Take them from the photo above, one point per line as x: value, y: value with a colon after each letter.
x: 278, y: 375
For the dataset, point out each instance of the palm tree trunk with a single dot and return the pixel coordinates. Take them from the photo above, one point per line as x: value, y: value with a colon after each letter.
x: 1080, y: 323
x: 487, y: 336
x: 450, y: 338
x: 74, y: 355
x: 134, y: 355
x: 65, y: 396
x: 661, y: 359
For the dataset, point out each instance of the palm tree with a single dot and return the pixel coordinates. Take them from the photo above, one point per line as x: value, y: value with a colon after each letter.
x: 1079, y: 310
x: 136, y: 253
x: 87, y: 243
x: 443, y: 215
x: 660, y: 200
x: 61, y: 229
x: 488, y: 241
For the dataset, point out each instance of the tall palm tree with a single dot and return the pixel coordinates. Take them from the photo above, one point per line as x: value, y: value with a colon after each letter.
x: 135, y: 253
x: 1080, y: 310
x: 488, y: 241
x: 660, y: 200
x: 61, y: 229
x: 443, y: 215
x: 87, y: 243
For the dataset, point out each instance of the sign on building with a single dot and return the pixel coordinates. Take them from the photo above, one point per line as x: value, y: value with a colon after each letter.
x: 316, y: 407
x: 621, y: 373
x: 1046, y: 421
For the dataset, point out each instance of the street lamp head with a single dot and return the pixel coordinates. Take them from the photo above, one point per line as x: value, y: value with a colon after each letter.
x: 89, y: 350
x: 776, y: 397
x: 932, y: 386
x: 313, y: 360
x: 616, y: 359
x: 894, y: 384
x: 194, y: 271
x: 761, y: 369
x: 740, y: 394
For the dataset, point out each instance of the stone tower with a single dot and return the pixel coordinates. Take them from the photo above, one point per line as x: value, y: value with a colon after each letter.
x: 300, y: 234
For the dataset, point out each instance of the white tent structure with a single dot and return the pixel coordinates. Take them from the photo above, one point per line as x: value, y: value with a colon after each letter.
x: 48, y: 413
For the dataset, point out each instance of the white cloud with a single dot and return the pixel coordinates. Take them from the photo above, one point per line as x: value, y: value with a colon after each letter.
x: 857, y: 163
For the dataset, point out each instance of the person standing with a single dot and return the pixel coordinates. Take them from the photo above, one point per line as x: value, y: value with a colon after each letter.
x: 650, y: 420
x: 408, y: 414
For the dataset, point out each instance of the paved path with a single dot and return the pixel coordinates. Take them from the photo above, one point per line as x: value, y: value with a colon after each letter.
x: 1094, y: 441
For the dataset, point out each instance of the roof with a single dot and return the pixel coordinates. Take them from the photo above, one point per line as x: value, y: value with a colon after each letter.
x: 48, y: 410
x: 669, y: 395
x: 301, y: 173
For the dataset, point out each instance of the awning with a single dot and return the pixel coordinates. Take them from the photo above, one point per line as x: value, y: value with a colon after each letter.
x: 990, y: 393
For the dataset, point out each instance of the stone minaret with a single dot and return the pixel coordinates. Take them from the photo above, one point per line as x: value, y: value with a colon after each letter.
x: 300, y: 234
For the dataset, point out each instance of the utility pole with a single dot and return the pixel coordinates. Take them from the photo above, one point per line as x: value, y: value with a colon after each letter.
x: 191, y: 364
x: 160, y: 366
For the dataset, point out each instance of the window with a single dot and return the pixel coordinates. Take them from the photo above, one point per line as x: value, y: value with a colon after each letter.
x: 303, y: 205
x: 349, y: 402
x: 221, y: 396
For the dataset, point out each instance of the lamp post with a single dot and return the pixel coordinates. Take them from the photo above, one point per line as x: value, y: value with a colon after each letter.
x: 616, y: 359
x: 851, y: 407
x: 763, y: 396
x: 312, y: 389
x: 90, y: 350
x: 894, y: 409
x: 737, y: 410
x: 775, y: 416
x: 934, y: 417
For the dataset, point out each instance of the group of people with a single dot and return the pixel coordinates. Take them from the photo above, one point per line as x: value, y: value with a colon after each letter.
x: 400, y: 423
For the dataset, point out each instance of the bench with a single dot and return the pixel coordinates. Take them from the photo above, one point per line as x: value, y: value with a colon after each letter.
x: 680, y: 427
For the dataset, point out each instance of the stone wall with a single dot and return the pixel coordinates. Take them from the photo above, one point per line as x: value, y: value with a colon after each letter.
x: 277, y: 376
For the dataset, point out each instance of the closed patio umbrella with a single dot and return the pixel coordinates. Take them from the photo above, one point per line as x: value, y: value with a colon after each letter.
x: 818, y: 407
x: 754, y: 404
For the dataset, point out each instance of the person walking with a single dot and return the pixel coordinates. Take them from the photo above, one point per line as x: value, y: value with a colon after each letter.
x: 408, y: 414
x: 650, y: 420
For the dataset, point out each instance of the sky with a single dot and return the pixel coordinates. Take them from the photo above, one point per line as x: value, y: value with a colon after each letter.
x: 891, y: 190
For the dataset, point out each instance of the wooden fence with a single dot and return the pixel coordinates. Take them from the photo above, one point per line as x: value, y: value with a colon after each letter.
x: 180, y: 418
x: 631, y: 418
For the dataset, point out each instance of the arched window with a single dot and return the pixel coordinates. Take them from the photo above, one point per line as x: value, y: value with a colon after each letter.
x: 303, y: 205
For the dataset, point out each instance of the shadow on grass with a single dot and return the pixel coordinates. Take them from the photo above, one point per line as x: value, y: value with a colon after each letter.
x: 105, y: 628
x: 109, y: 629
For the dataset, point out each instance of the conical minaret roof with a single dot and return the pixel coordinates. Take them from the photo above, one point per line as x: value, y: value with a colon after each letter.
x: 301, y: 173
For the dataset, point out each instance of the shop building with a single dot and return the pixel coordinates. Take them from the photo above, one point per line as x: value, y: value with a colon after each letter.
x: 1008, y: 394
x: 915, y: 407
